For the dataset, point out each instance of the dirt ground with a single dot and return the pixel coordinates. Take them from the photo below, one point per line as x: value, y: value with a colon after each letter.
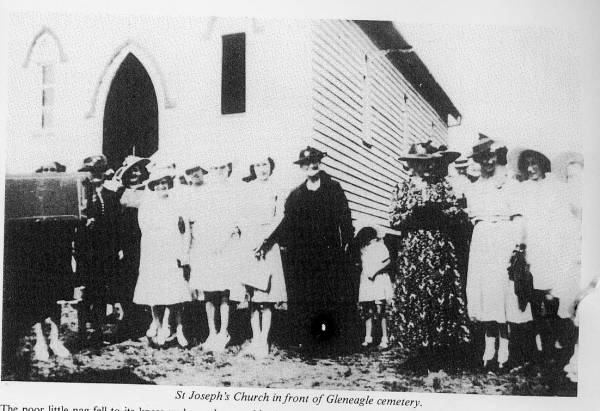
x: 137, y: 362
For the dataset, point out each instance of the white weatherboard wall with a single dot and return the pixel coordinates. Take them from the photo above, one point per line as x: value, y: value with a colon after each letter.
x: 391, y: 117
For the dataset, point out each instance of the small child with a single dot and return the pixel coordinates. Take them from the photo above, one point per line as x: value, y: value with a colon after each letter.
x: 375, y: 285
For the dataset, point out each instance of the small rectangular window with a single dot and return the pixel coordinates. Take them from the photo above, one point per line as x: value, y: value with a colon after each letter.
x: 47, y: 74
x: 233, y: 74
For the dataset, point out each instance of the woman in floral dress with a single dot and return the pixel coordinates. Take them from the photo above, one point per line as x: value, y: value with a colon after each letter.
x: 428, y: 311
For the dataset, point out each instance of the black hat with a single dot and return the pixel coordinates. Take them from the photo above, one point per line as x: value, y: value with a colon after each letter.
x: 96, y: 163
x: 448, y: 156
x: 421, y: 151
x: 309, y: 154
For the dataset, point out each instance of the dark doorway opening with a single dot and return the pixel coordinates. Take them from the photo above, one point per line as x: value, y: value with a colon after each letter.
x: 130, y: 114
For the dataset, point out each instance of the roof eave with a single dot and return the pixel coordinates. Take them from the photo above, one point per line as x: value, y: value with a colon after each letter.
x: 385, y: 36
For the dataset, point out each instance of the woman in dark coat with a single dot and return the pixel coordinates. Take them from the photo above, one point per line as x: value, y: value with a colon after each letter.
x: 428, y: 312
x: 316, y: 228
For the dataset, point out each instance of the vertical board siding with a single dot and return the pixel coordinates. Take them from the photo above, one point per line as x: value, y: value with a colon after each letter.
x: 390, y: 118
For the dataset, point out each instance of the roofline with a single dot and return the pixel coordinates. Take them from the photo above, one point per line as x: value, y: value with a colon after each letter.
x: 385, y: 36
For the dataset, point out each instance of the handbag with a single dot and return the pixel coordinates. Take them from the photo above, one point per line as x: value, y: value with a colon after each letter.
x: 519, y: 273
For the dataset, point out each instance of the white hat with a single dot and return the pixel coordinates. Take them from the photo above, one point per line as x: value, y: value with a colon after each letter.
x: 158, y: 173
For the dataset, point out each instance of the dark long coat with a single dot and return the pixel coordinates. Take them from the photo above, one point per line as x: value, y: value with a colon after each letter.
x: 99, y: 247
x: 316, y: 228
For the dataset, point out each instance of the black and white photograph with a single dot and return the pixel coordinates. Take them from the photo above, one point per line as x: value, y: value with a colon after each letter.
x: 300, y: 204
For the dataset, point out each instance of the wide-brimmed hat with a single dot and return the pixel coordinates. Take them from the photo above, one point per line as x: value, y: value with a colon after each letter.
x: 310, y: 154
x: 483, y: 145
x: 447, y: 155
x: 516, y: 160
x: 97, y: 163
x: 128, y: 164
x: 562, y: 161
x: 421, y: 152
x: 488, y: 145
x: 158, y: 173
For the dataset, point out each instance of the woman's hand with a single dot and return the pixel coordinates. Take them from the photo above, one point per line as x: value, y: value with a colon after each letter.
x: 261, y: 250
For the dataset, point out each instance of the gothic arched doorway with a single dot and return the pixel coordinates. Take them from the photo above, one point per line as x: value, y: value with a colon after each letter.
x: 130, y: 123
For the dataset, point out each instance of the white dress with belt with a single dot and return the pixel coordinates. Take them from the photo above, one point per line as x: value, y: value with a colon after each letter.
x: 490, y: 293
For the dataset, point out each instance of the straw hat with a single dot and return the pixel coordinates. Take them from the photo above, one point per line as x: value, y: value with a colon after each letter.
x: 128, y: 164
x: 562, y: 161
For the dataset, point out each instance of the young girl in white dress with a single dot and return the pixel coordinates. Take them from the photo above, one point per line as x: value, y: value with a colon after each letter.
x: 376, y: 291
x: 262, y: 210
x: 161, y: 283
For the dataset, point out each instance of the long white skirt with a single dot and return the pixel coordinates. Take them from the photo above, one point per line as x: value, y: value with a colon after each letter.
x: 490, y: 294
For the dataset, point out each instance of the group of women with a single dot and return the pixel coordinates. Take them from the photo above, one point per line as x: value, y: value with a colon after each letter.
x: 521, y: 213
x: 197, y: 234
x: 200, y: 234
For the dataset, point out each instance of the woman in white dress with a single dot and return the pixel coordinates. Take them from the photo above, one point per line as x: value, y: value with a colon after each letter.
x: 161, y: 283
x: 571, y: 286
x: 543, y: 210
x: 491, y: 297
x: 568, y: 169
x: 262, y: 211
x: 215, y: 246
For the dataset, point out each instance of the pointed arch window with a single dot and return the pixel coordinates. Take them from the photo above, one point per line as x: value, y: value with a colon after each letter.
x: 43, y: 56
